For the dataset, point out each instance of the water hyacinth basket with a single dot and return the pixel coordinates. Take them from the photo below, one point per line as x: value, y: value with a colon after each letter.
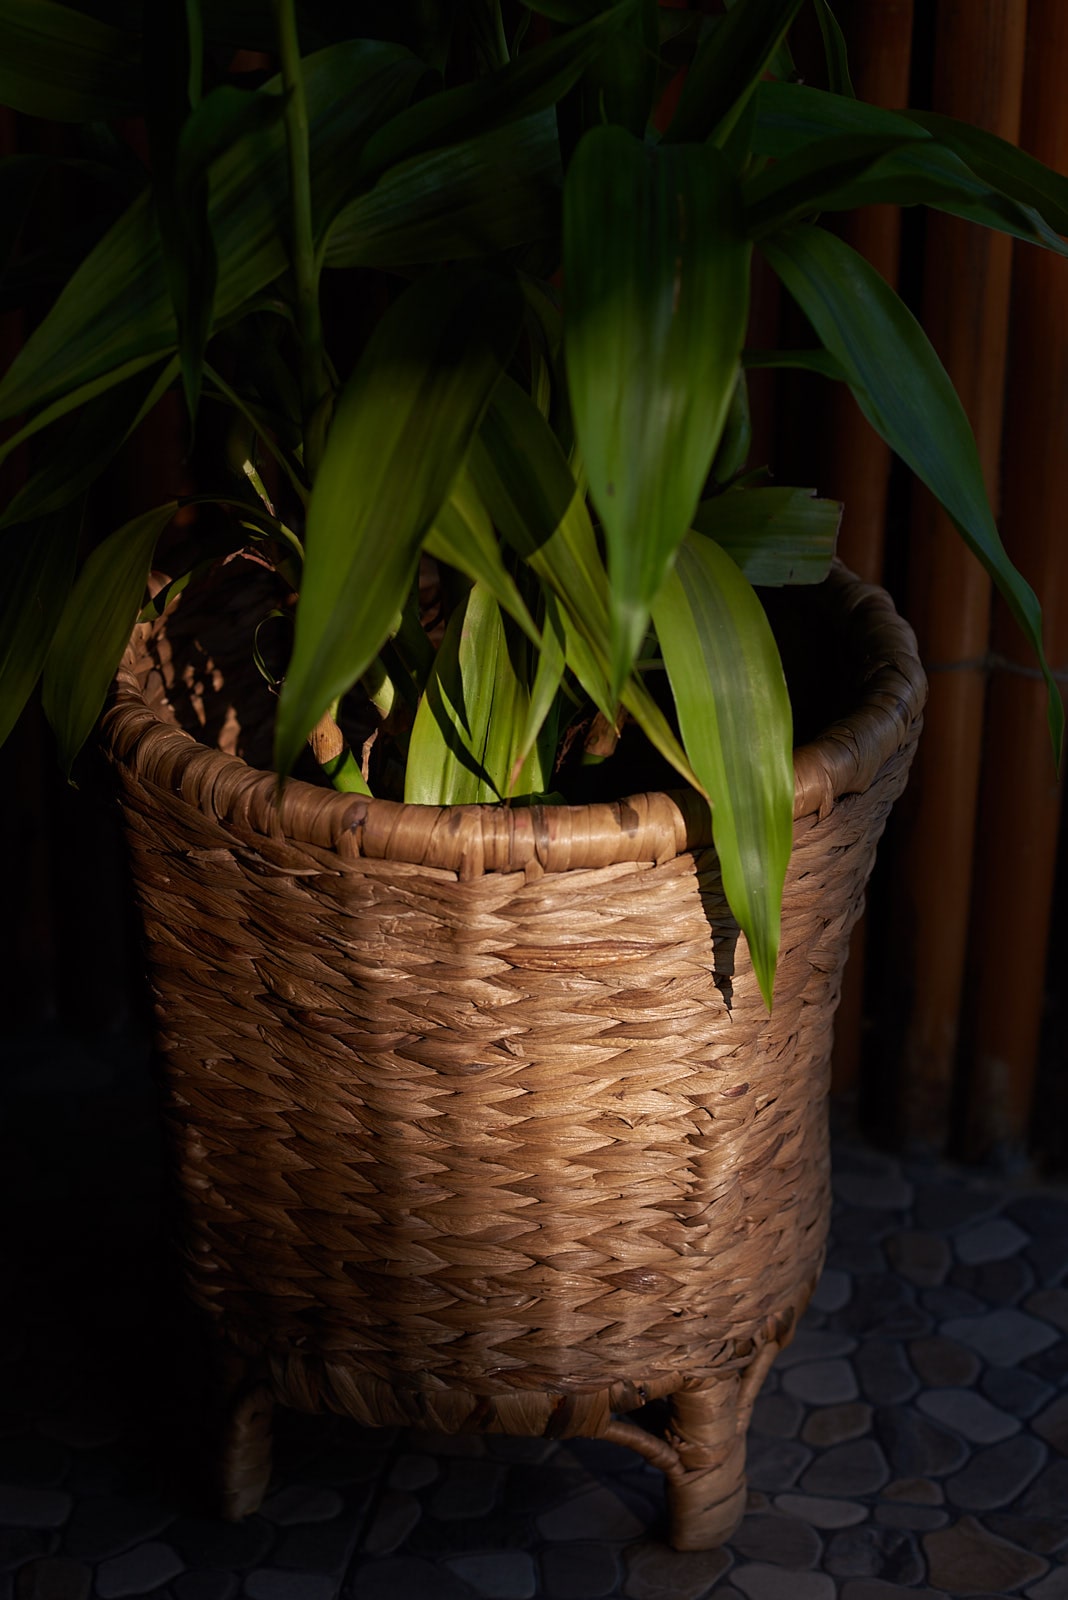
x: 478, y: 1119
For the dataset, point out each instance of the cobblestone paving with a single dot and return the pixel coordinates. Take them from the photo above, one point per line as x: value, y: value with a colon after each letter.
x: 913, y: 1441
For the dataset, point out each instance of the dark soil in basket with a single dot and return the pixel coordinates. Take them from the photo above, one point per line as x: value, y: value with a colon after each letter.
x: 215, y: 691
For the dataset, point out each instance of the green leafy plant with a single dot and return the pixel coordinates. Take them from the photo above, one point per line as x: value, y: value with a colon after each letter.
x: 457, y: 299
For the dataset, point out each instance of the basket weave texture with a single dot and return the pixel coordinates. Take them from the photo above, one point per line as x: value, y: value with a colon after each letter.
x: 478, y: 1115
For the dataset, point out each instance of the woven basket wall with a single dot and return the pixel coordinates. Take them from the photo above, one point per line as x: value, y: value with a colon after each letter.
x: 478, y: 1115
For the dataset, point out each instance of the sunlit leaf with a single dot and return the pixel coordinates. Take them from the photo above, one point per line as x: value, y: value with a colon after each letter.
x: 734, y: 713
x: 464, y: 742
x: 544, y: 693
x: 157, y: 604
x: 400, y: 434
x: 95, y: 628
x: 463, y: 536
x: 657, y: 276
x: 524, y: 480
x: 905, y: 393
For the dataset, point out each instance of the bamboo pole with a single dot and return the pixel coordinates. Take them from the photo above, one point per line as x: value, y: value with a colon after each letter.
x: 978, y: 75
x: 879, y: 37
x: 857, y: 469
x: 1020, y: 797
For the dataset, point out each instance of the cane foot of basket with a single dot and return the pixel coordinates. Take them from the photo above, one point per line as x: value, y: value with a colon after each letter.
x: 706, y: 1485
x: 245, y: 1454
x: 705, y: 1506
x: 707, y: 1492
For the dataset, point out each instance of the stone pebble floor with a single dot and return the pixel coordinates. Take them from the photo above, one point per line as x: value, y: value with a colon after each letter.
x: 913, y: 1441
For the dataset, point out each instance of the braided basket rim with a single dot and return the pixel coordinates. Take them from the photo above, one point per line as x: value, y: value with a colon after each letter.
x: 470, y: 840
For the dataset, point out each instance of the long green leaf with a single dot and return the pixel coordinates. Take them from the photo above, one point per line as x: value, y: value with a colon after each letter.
x: 536, y: 79
x: 72, y: 400
x: 850, y: 170
x: 791, y: 116
x: 37, y: 579
x: 737, y: 438
x: 402, y: 429
x: 97, y: 434
x: 834, y: 50
x: 487, y: 194
x: 540, y: 726
x: 802, y: 182
x: 466, y: 733
x: 172, y: 55
x: 224, y: 117
x: 819, y: 361
x: 488, y: 42
x: 905, y: 393
x: 60, y: 64
x: 524, y: 480
x: 464, y: 538
x: 1011, y: 171
x: 657, y: 275
x: 261, y: 428
x: 95, y: 628
x: 729, y: 66
x: 734, y: 712
x: 925, y: 173
x: 619, y: 84
x: 774, y: 536
x: 113, y: 313
x: 116, y: 308
x: 181, y: 186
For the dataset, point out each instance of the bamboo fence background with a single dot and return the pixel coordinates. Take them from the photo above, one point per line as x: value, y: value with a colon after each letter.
x: 952, y: 1029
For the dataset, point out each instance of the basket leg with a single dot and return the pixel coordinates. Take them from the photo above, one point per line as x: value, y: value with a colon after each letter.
x: 244, y: 1459
x: 706, y: 1499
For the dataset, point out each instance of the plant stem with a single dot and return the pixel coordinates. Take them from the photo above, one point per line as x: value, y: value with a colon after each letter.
x: 305, y: 269
x: 259, y: 429
x: 334, y: 756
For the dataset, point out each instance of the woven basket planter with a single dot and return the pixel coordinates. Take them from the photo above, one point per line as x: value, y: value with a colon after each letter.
x: 479, y: 1119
